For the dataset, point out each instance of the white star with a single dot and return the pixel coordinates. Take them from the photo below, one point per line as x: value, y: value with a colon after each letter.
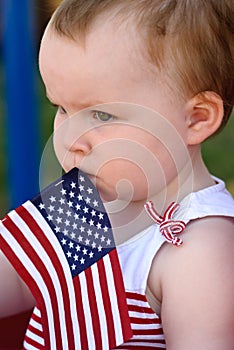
x: 94, y: 245
x: 42, y: 206
x: 67, y: 222
x: 64, y: 241
x: 89, y: 190
x: 99, y: 226
x: 81, y: 178
x: 72, y: 194
x: 82, y: 261
x: 68, y: 213
x: 103, y: 239
x: 87, y: 241
x: 86, y: 210
x: 81, y: 188
x: 59, y: 220
x: 95, y: 203
x: 108, y: 241
x: 76, y: 257
x: 77, y: 206
x: 73, y: 185
x: 105, y: 229
x: 51, y: 208
x: 76, y: 216
x: 91, y: 255
x: 69, y: 254
x: 82, y: 229
x: 71, y: 245
x: 74, y: 226
x: 101, y: 216
x: 62, y: 201
x: 60, y: 210
x: 73, y: 267
x: 79, y: 197
x: 99, y: 248
x: 65, y: 232
x: 63, y: 191
x: 70, y: 204
x: 80, y: 238
x: 50, y: 217
x: 73, y: 235
x: 93, y: 212
x: 85, y: 251
x: 83, y: 219
x: 57, y: 229
x: 96, y: 235
x: 91, y: 222
x: 87, y: 200
x: 52, y: 199
x: 78, y: 248
x: 89, y: 232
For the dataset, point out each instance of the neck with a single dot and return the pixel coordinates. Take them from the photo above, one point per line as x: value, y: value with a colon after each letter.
x: 130, y: 218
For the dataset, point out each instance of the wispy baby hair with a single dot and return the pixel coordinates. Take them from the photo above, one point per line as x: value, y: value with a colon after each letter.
x: 193, y: 40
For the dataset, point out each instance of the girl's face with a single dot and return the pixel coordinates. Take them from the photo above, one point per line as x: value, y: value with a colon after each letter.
x: 116, y: 121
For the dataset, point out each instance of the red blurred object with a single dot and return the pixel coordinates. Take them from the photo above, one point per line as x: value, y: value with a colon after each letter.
x: 12, y: 330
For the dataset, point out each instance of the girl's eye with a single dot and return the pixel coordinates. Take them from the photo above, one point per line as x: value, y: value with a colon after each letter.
x: 102, y: 116
x: 61, y: 110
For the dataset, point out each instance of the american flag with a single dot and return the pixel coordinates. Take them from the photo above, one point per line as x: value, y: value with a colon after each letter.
x: 61, y: 244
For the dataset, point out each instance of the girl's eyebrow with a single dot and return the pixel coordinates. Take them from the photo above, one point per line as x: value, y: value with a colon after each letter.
x: 80, y: 105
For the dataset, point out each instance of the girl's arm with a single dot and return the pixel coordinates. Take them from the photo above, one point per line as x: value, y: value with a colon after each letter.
x: 15, y: 296
x: 197, y: 285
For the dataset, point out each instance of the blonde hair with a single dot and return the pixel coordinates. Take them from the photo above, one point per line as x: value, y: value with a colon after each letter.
x: 192, y: 39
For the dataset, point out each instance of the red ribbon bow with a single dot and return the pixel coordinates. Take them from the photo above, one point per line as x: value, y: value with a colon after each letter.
x: 168, y: 227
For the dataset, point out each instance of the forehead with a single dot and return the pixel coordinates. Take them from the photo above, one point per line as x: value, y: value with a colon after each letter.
x: 107, y: 48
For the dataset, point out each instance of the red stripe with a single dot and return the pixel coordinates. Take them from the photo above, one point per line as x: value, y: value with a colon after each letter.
x: 148, y: 331
x: 138, y: 320
x: 36, y: 318
x: 35, y: 228
x: 121, y: 296
x: 34, y: 343
x: 93, y: 308
x: 80, y: 314
x: 106, y: 303
x: 141, y: 309
x: 35, y: 330
x: 21, y: 269
x: 136, y: 296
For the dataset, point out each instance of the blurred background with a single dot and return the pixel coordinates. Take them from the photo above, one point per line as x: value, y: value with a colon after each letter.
x: 26, y: 121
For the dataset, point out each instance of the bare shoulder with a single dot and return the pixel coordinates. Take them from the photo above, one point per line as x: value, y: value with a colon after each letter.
x: 195, y: 283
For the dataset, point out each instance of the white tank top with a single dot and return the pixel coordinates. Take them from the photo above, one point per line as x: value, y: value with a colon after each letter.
x: 136, y: 256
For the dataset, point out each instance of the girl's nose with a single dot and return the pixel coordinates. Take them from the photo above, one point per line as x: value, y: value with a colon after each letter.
x: 76, y: 136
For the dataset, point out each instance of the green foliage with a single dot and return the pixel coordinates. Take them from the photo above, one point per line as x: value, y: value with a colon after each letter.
x: 218, y: 152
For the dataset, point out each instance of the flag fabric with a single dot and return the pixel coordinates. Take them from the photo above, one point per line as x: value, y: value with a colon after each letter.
x: 61, y: 244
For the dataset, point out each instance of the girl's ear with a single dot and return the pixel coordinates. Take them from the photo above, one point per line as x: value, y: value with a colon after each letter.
x: 204, y: 116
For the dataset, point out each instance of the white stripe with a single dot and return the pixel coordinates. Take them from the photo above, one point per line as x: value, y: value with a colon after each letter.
x: 145, y: 326
x: 37, y: 312
x: 113, y: 300
x: 145, y: 344
x: 35, y: 337
x: 149, y: 337
x: 101, y: 309
x: 36, y: 325
x: 142, y: 315
x: 139, y: 303
x: 67, y: 273
x: 28, y: 346
x: 33, y: 272
x: 31, y: 238
x: 87, y: 313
